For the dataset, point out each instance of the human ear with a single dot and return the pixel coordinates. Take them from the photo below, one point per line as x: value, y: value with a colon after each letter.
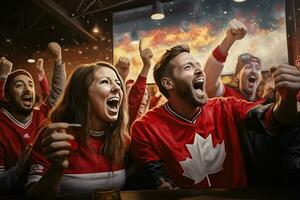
x: 167, y: 83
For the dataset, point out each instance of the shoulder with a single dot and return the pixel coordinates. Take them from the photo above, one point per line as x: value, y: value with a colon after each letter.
x: 151, y: 116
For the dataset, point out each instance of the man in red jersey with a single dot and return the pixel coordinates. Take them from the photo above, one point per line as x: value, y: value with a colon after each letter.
x: 19, y: 120
x: 247, y: 70
x: 192, y: 142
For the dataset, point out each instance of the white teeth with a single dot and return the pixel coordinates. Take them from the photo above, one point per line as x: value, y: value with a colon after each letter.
x: 114, y: 99
x: 200, y: 80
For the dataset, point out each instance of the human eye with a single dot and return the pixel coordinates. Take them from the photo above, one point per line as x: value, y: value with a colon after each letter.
x: 104, y: 81
x: 18, y: 85
x: 30, y: 85
x: 187, y: 67
x: 118, y: 82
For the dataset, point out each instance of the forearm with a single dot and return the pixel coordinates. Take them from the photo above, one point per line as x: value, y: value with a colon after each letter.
x: 44, y: 85
x: 145, y: 70
x: 135, y: 97
x: 58, y: 82
x: 49, y: 184
x: 154, y: 172
x: 213, y: 69
x: 285, y: 111
x: 2, y: 81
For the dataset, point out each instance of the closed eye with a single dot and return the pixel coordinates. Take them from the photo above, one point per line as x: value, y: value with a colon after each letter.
x: 104, y: 82
x: 187, y: 67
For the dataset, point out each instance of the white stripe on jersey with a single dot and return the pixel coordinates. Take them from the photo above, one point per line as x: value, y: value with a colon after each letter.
x: 20, y: 124
x: 2, y: 169
x: 80, y: 183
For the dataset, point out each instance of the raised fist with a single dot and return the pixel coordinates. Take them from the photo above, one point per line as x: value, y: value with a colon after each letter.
x: 287, y: 79
x: 5, y: 66
x: 40, y: 66
x: 55, y: 50
x: 123, y: 65
x: 146, y: 54
x: 236, y: 30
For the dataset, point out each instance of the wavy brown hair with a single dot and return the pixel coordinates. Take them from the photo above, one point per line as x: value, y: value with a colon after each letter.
x: 74, y: 107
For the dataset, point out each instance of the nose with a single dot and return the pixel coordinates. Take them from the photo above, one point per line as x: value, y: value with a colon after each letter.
x: 115, y: 87
x: 27, y: 88
x: 198, y: 70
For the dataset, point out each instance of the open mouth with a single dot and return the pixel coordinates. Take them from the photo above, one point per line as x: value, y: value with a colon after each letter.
x: 252, y: 79
x: 113, y: 103
x: 198, y: 84
x: 27, y: 99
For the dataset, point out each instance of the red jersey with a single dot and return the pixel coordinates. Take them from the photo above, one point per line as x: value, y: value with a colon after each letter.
x: 15, y: 136
x: 231, y: 92
x: 88, y: 169
x: 199, y: 153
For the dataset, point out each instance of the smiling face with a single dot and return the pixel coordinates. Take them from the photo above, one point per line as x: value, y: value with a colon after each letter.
x: 188, y: 79
x: 105, y: 96
x: 21, y: 95
x: 249, y: 78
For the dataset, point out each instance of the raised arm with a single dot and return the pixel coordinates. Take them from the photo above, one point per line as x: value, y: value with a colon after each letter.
x: 5, y: 69
x: 123, y: 67
x: 59, y: 73
x: 137, y: 90
x: 287, y: 84
x: 215, y: 62
x: 43, y: 81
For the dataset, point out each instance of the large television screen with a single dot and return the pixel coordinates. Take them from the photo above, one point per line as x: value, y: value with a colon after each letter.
x: 202, y: 25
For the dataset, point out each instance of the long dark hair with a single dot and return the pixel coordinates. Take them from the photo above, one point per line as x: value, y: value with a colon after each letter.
x: 74, y: 107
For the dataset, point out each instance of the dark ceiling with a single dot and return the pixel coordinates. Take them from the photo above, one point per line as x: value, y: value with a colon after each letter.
x: 28, y: 25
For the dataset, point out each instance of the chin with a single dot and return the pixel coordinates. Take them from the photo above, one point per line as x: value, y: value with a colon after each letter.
x: 111, y: 119
x: 26, y: 111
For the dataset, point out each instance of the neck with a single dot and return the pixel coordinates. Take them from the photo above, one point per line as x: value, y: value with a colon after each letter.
x: 20, y: 117
x: 183, y: 108
x: 98, y: 125
x: 249, y: 97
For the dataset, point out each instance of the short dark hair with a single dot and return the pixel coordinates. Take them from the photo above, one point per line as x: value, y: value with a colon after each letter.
x: 162, y: 67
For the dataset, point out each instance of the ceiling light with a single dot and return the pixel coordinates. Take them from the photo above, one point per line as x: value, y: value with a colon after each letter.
x: 31, y: 60
x: 96, y: 29
x: 239, y: 0
x: 157, y: 11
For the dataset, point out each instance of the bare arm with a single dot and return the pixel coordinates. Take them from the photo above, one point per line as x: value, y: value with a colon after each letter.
x: 146, y: 56
x: 214, y: 65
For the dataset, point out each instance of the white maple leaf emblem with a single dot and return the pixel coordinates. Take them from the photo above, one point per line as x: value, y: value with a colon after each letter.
x: 205, y: 159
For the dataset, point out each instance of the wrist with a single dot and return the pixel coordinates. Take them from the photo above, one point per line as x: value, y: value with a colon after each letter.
x: 3, y: 76
x: 218, y: 55
x: 58, y: 60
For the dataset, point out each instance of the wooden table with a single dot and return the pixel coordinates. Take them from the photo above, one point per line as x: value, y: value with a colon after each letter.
x: 183, y: 194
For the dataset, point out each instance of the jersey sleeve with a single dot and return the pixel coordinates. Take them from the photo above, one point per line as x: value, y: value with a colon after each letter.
x: 135, y: 97
x: 44, y: 84
x: 141, y: 146
x: 257, y: 116
x: 39, y: 163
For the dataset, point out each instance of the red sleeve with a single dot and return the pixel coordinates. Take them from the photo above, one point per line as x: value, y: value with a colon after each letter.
x: 135, y: 97
x: 44, y: 84
x: 154, y: 101
x: 251, y: 112
x: 2, y: 81
x: 239, y: 107
x: 141, y: 146
x: 230, y: 92
x: 39, y: 162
